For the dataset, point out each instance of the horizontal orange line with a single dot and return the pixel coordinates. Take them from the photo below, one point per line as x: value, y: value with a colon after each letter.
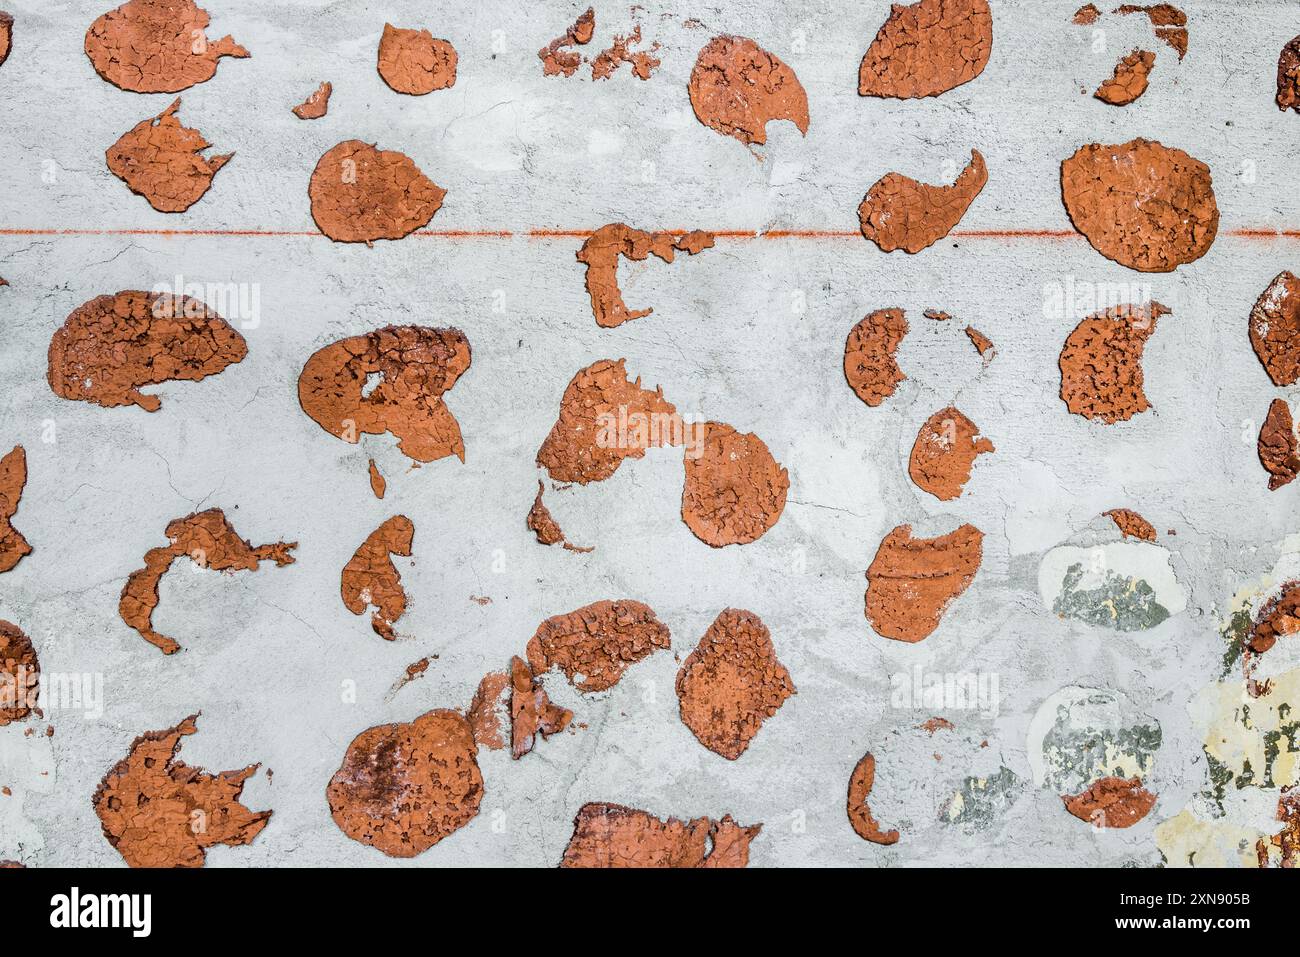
x: 584, y: 233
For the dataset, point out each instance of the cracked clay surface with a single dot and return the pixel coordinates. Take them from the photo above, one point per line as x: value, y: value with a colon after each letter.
x: 414, y: 366
x: 912, y: 581
x: 6, y: 36
x: 207, y: 539
x: 360, y: 193
x: 1131, y: 524
x: 1275, y: 329
x: 112, y: 346
x: 414, y: 62
x: 899, y: 212
x: 316, y: 105
x: 156, y: 46
x: 1129, y: 80
x: 531, y: 710
x: 1101, y: 363
x: 1145, y: 205
x: 731, y: 683
x: 611, y: 835
x: 158, y: 811
x: 371, y: 579
x: 1111, y: 802
x: 13, y: 479
x: 20, y: 674
x: 159, y: 160
x: 595, y: 644
x: 869, y: 363
x: 556, y: 58
x: 737, y: 88
x: 1277, y: 446
x: 944, y: 452
x: 735, y: 490
x: 402, y: 788
x: 927, y: 48
x: 861, y: 781
x: 600, y: 254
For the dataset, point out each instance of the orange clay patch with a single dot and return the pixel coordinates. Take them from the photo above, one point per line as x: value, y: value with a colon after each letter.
x: 1101, y: 363
x: 208, y: 540
x: 595, y: 644
x: 1277, y: 446
x: 1288, y: 76
x: 546, y: 528
x: 982, y: 343
x: 731, y: 683
x: 1146, y: 206
x: 861, y: 781
x: 869, y: 363
x: 912, y: 581
x: 158, y: 811
x: 1169, y: 22
x: 402, y: 788
x: 557, y: 58
x: 900, y: 213
x: 1086, y: 15
x: 611, y: 835
x: 644, y: 62
x: 377, y: 483
x: 1275, y: 329
x: 489, y: 711
x: 1111, y: 802
x: 737, y: 88
x: 1129, y: 80
x: 156, y: 46
x: 531, y: 711
x: 927, y: 48
x: 360, y: 194
x: 111, y: 346
x: 316, y: 105
x: 601, y: 252
x: 389, y: 380
x: 6, y: 36
x: 414, y: 62
x: 13, y: 479
x: 20, y: 674
x: 371, y: 579
x: 604, y: 419
x: 944, y: 452
x: 1131, y: 524
x: 1278, y: 618
x: 735, y: 490
x: 159, y: 160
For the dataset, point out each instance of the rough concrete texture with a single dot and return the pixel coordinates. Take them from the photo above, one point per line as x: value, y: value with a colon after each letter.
x: 751, y: 334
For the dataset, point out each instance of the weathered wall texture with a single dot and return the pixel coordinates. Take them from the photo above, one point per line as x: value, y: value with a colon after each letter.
x: 1125, y: 672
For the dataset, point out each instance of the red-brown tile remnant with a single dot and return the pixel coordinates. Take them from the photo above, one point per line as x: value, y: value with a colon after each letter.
x: 931, y: 725
x: 611, y: 835
x: 604, y: 419
x: 595, y: 644
x: 415, y: 669
x: 900, y: 213
x: 1131, y: 524
x: 737, y: 88
x: 1129, y: 80
x: 869, y: 363
x: 912, y: 581
x: 982, y: 343
x: 927, y: 48
x: 531, y: 711
x: 1280, y: 616
x: 6, y: 35
x: 20, y: 674
x: 1288, y: 839
x: 731, y: 683
x: 644, y: 62
x: 944, y: 452
x: 389, y: 380
x: 13, y: 478
x: 156, y: 46
x: 414, y: 62
x: 1086, y: 15
x: 546, y: 528
x: 1277, y: 446
x: 601, y: 252
x: 735, y: 490
x: 1275, y: 329
x: 556, y: 58
x: 1169, y: 22
x: 1101, y: 363
x: 158, y: 811
x: 938, y: 315
x: 1144, y: 205
x: 1288, y: 76
x: 160, y: 160
x: 360, y: 193
x: 483, y: 600
x: 377, y: 483
x: 111, y: 346
x: 861, y: 781
x: 316, y: 105
x: 402, y: 788
x: 489, y: 711
x: 207, y: 539
x: 371, y: 579
x: 1111, y: 802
